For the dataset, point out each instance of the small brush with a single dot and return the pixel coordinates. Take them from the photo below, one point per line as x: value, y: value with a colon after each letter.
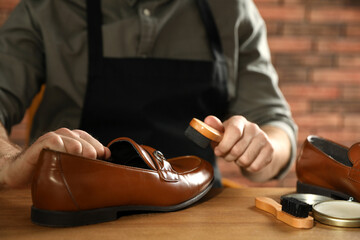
x: 201, y: 133
x: 295, y: 207
x: 290, y: 214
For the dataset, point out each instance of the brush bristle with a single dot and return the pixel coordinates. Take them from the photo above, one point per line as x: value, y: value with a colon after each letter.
x: 197, y: 137
x: 295, y: 207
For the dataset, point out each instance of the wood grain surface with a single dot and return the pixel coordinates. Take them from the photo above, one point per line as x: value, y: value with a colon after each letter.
x: 222, y: 214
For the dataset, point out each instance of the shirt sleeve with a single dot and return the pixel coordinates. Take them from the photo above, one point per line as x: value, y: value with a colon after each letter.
x: 256, y: 94
x: 21, y: 64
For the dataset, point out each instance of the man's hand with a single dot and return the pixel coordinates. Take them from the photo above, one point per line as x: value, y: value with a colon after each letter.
x: 260, y: 152
x: 17, y: 166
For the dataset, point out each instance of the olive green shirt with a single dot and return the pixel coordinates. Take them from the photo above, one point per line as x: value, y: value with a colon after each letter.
x: 45, y: 42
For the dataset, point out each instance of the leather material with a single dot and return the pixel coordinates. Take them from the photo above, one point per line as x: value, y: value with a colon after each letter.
x: 65, y: 182
x: 324, y: 163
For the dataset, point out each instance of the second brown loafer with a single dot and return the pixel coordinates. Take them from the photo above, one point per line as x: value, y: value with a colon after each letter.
x: 327, y: 168
x: 70, y: 190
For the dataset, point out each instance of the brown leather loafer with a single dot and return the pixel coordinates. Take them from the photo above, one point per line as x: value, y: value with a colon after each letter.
x: 70, y: 190
x: 327, y: 168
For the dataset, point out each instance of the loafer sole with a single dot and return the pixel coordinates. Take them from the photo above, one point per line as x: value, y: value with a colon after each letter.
x: 86, y: 217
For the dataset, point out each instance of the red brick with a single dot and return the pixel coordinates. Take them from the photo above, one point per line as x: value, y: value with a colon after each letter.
x: 352, y: 121
x: 339, y: 46
x: 260, y: 2
x: 273, y: 28
x: 310, y: 92
x: 353, y: 30
x: 344, y: 106
x: 298, y: 107
x: 349, y: 61
x: 346, y: 137
x: 291, y: 74
x: 289, y: 44
x: 322, y: 3
x: 312, y: 29
x: 281, y: 13
x: 294, y: 2
x: 319, y: 120
x: 352, y: 92
x: 8, y: 4
x: 335, y: 14
x: 340, y: 76
x: 303, y: 60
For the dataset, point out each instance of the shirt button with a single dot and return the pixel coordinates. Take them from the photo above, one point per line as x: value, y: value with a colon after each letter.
x: 146, y: 12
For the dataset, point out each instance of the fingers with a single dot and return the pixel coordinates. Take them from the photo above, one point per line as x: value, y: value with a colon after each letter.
x: 258, y: 154
x: 74, y: 142
x: 261, y: 160
x: 233, y: 135
x: 245, y: 144
x: 214, y: 122
x: 64, y: 140
x: 102, y: 151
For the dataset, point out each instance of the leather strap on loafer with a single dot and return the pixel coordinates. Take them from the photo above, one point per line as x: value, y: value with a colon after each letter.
x: 163, y: 166
x: 151, y: 157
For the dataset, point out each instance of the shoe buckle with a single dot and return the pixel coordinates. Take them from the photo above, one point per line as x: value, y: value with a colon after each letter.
x: 159, y: 156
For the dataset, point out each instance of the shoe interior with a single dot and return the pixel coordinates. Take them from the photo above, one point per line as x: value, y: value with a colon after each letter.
x: 333, y: 150
x: 124, y: 153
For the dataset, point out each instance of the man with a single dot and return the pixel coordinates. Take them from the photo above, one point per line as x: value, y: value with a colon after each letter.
x: 142, y: 69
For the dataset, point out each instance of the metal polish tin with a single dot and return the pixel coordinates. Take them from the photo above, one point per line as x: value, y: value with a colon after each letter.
x: 308, y: 198
x: 338, y: 213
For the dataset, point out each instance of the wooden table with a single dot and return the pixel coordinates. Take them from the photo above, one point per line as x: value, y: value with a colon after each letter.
x: 222, y: 214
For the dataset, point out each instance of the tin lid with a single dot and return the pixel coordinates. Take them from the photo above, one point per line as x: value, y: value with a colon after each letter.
x: 338, y: 213
x: 308, y: 198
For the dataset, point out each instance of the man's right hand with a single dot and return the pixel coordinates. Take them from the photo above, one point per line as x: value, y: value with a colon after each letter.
x: 17, y: 165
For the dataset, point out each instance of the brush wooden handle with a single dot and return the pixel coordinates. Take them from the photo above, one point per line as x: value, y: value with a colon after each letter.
x: 271, y: 206
x: 206, y: 130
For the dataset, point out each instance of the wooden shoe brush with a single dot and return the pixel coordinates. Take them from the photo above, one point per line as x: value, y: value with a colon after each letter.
x: 201, y: 133
x: 291, y: 211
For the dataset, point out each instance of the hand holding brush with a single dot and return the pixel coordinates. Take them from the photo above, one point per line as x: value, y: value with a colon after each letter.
x: 260, y: 152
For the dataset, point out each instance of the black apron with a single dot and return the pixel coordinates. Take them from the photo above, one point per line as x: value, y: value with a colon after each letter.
x: 152, y: 100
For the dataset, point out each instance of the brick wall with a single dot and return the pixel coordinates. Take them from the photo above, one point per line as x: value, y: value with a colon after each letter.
x: 315, y: 48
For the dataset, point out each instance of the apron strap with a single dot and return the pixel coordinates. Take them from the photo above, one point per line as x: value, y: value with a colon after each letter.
x: 95, y: 44
x: 211, y: 28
